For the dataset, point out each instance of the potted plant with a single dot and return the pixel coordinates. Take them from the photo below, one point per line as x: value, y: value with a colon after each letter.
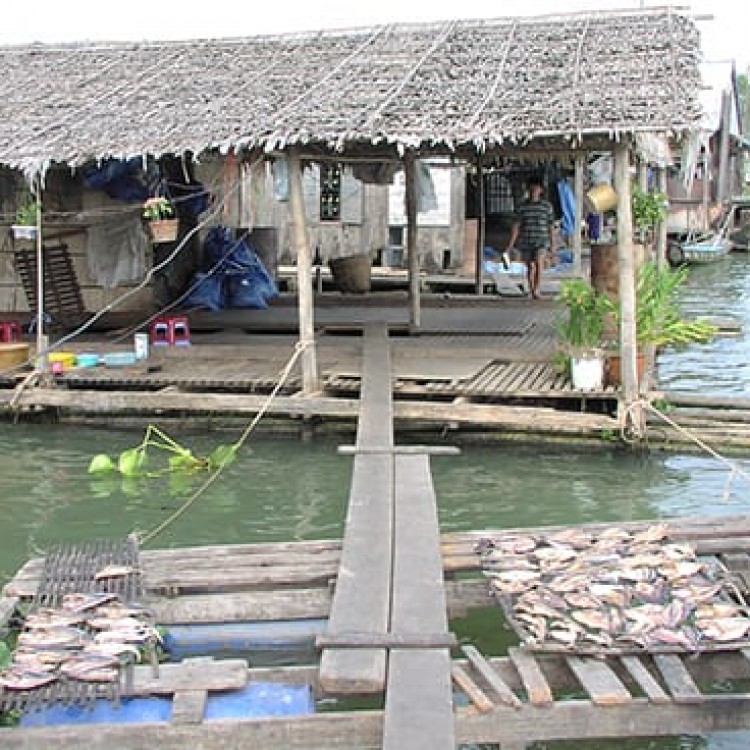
x: 582, y: 331
x: 649, y: 207
x: 159, y: 214
x: 658, y: 319
x: 25, y: 224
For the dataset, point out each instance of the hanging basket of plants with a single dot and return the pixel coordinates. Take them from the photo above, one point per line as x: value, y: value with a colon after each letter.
x: 163, y: 230
x: 163, y: 225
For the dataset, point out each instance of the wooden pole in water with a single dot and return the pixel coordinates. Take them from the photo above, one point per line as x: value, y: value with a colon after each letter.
x: 626, y: 265
x: 310, y: 382
x: 410, y: 204
x: 41, y: 339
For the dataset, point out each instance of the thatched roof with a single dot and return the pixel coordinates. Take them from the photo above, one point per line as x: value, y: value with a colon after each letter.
x: 460, y: 84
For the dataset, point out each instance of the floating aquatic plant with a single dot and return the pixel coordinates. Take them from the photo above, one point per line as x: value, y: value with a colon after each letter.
x: 132, y: 462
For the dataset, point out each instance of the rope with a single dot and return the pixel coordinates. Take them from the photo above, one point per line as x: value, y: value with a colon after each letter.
x: 298, y: 349
x: 734, y: 468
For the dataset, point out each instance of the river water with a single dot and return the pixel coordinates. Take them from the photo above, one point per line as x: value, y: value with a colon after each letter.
x: 282, y: 489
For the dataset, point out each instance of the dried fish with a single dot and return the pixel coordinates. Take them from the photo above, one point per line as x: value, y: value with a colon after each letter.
x: 113, y: 571
x: 78, y: 602
x: 724, y: 629
x: 52, y: 639
x: 18, y: 678
x: 46, y: 618
x: 91, y: 669
x: 591, y: 618
x: 655, y: 533
x: 583, y: 600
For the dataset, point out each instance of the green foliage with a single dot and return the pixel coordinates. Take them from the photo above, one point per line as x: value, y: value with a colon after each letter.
x: 582, y: 328
x: 5, y: 657
x: 132, y: 462
x: 649, y: 208
x: 158, y: 208
x: 26, y: 213
x: 658, y: 318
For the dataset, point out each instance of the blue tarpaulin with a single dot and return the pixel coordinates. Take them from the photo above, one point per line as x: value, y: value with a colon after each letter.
x: 231, y: 275
x: 255, y: 699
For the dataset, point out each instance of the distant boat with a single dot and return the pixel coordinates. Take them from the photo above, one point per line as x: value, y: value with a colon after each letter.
x: 705, y: 250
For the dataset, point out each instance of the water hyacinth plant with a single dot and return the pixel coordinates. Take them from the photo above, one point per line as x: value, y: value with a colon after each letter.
x: 133, y: 461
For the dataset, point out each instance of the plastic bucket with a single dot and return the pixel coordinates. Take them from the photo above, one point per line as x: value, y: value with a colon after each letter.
x: 587, y: 373
x: 601, y: 198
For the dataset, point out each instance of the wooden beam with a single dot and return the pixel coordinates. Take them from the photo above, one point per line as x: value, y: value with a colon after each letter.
x: 481, y: 229
x: 473, y: 692
x: 645, y: 680
x: 362, y: 598
x: 677, y: 678
x: 599, y: 681
x: 410, y: 198
x: 628, y: 348
x: 580, y: 168
x: 490, y: 675
x: 534, y: 681
x: 310, y: 379
x: 418, y: 704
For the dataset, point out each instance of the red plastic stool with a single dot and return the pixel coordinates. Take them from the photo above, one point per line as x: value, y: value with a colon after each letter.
x: 161, y: 332
x: 10, y: 330
x: 180, y: 331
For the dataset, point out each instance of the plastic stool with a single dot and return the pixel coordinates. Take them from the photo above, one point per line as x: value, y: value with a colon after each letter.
x: 10, y: 330
x: 160, y: 332
x: 180, y: 331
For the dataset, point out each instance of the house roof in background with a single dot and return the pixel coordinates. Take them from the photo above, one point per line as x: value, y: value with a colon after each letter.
x: 460, y: 84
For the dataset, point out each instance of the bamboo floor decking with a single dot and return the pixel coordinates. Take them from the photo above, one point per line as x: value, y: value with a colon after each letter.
x: 484, y: 365
x: 514, y: 699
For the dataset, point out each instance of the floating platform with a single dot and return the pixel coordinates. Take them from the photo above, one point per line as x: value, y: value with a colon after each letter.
x: 523, y: 696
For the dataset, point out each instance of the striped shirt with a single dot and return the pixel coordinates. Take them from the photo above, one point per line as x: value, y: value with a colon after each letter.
x: 536, y: 219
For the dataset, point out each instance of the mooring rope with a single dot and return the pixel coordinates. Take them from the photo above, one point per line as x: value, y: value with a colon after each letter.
x: 734, y: 468
x: 298, y: 349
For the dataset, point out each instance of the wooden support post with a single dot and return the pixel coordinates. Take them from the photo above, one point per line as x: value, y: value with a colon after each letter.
x: 310, y: 381
x: 580, y: 167
x: 661, y: 228
x: 481, y: 228
x: 410, y: 200
x: 626, y: 265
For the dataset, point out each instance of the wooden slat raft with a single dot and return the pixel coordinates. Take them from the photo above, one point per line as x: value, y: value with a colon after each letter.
x: 519, y: 698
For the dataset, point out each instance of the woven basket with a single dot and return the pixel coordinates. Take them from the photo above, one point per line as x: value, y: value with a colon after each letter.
x: 352, y: 274
x: 163, y: 230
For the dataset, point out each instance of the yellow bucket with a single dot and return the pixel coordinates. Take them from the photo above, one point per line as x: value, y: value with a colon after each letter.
x: 601, y: 198
x: 66, y: 359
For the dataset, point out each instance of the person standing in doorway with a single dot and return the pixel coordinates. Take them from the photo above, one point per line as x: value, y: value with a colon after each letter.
x: 533, y: 233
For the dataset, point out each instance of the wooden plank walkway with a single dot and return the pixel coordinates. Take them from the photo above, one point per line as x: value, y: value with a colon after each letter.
x: 362, y: 599
x: 419, y: 699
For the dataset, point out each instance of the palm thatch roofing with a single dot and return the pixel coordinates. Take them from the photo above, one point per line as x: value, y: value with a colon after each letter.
x: 473, y: 84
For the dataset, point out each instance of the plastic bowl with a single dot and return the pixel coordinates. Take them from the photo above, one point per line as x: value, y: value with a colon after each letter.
x: 86, y: 359
x: 119, y: 359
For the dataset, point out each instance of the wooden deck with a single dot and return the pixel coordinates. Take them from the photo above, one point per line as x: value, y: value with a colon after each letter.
x: 479, y: 364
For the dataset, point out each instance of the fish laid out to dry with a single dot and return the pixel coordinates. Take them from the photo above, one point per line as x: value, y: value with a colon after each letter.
x: 614, y: 590
x: 87, y: 639
x: 20, y: 678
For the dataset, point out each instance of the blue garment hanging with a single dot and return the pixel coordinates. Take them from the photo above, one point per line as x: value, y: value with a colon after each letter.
x: 568, y: 207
